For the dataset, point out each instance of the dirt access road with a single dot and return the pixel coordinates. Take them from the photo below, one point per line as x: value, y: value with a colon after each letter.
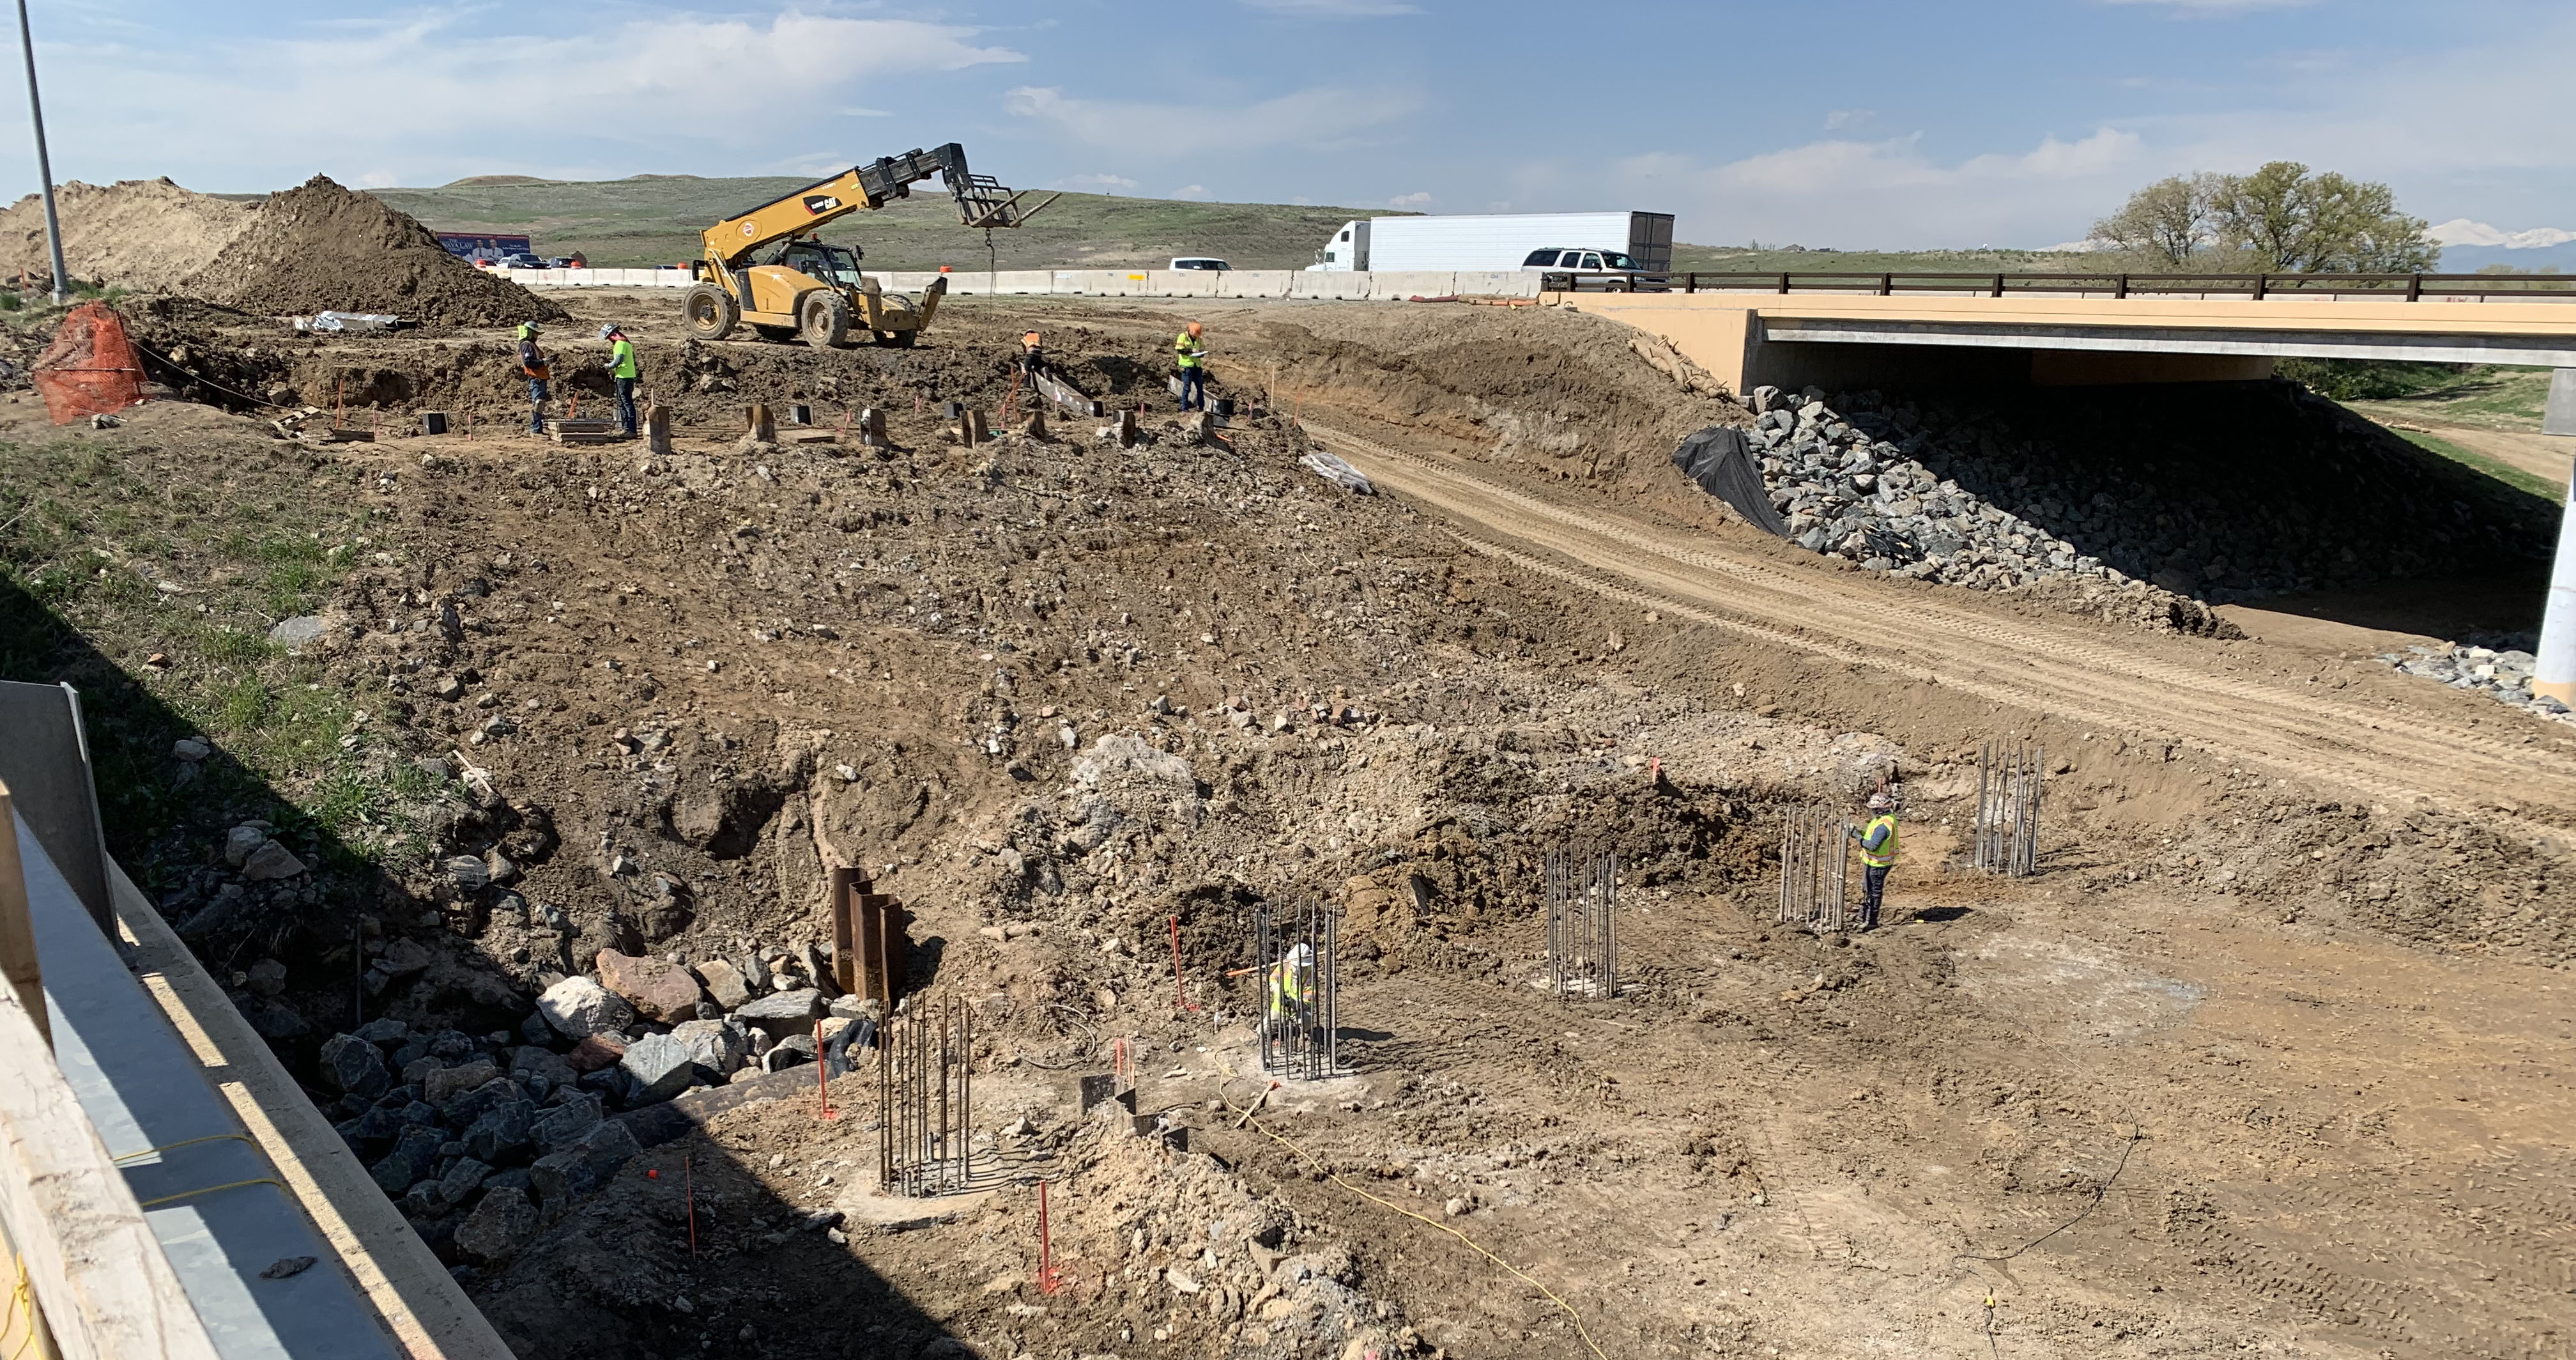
x: 2249, y: 711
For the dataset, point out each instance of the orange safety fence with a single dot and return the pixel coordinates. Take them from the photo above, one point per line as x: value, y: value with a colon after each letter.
x: 90, y: 369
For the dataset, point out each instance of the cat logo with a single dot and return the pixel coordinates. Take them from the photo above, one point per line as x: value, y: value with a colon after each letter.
x: 820, y: 203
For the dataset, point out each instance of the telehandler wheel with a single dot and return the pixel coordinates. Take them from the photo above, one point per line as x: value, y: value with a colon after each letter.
x: 898, y: 339
x: 710, y: 312
x: 824, y: 319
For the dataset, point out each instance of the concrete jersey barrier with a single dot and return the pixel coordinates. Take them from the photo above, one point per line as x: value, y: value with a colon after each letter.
x: 1343, y: 286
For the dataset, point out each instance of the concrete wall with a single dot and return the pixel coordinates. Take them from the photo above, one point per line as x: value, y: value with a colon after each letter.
x: 1746, y: 340
x: 1159, y: 283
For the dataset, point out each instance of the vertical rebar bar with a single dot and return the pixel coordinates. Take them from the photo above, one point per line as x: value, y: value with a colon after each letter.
x: 2009, y: 778
x: 1295, y: 953
x: 1582, y: 894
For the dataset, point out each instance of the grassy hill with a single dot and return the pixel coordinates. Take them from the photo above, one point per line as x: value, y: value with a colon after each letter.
x: 655, y: 219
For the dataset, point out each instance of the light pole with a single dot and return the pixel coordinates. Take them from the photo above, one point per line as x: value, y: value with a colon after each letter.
x: 44, y: 164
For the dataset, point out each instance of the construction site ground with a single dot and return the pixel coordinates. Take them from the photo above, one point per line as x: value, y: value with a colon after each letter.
x: 2269, y: 1058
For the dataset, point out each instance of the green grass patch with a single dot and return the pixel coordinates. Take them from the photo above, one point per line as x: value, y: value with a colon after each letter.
x: 2478, y: 462
x: 2491, y: 395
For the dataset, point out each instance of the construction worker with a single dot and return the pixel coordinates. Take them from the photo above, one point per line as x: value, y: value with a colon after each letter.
x: 1291, y: 986
x: 532, y: 362
x: 622, y: 371
x: 1191, y: 355
x: 1032, y: 358
x: 1877, y: 855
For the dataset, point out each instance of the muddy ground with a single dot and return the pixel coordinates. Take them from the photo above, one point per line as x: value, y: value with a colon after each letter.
x: 2268, y: 1059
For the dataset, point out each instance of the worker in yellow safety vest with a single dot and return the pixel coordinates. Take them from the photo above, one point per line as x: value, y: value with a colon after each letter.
x: 1877, y: 855
x: 622, y: 371
x: 1291, y: 987
x: 1190, y: 354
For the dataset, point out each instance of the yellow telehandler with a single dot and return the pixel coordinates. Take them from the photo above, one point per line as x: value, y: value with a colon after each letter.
x: 765, y: 269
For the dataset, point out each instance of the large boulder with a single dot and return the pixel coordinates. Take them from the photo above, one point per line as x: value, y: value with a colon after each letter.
x: 502, y: 1131
x: 559, y: 1178
x: 599, y: 1051
x: 447, y: 1083
x: 784, y: 1013
x: 662, y: 1066
x: 354, y: 1066
x: 579, y: 1008
x: 723, y: 983
x: 504, y: 1222
x: 412, y: 1158
x: 661, y: 991
x: 714, y: 1045
x: 482, y: 1100
x: 566, y: 1124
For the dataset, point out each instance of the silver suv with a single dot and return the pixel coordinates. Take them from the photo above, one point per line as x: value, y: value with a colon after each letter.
x: 1597, y: 268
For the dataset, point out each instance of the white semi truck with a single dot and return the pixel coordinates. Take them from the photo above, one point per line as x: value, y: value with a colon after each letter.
x: 1499, y: 241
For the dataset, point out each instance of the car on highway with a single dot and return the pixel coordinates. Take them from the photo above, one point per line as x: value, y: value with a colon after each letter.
x: 1199, y: 262
x: 1601, y: 271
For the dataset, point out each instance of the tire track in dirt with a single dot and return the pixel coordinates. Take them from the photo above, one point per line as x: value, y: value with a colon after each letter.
x: 2052, y: 669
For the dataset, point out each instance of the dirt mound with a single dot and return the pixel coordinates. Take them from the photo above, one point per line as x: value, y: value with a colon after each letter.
x: 321, y: 246
x: 148, y: 235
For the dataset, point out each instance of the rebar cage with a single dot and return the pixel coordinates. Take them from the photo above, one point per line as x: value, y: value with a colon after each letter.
x: 2007, y: 827
x: 1582, y: 924
x: 926, y: 1098
x: 1294, y: 948
x: 1815, y: 868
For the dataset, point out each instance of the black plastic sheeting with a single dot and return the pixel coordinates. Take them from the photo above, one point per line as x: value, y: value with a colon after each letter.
x: 1725, y: 466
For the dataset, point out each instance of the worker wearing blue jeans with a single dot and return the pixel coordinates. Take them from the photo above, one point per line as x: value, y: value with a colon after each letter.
x: 622, y: 371
x: 1877, y: 856
x: 1191, y: 356
x: 532, y: 363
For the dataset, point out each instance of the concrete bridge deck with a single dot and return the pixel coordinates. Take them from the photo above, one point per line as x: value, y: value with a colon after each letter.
x: 1840, y: 340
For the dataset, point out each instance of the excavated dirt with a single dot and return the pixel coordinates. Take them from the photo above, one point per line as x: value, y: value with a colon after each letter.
x: 144, y: 235
x: 320, y: 247
x: 317, y: 247
x: 2263, y: 1061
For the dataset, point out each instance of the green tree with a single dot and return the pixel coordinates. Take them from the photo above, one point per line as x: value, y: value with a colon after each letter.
x: 2170, y: 222
x: 2289, y: 220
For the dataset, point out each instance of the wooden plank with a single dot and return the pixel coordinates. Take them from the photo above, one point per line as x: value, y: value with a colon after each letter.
x: 18, y: 962
x: 98, y: 1273
x: 414, y: 1296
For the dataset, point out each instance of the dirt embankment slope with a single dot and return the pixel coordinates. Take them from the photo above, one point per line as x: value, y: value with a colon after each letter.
x: 1057, y: 696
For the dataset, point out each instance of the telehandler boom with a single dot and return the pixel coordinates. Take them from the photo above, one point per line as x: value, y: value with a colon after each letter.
x: 764, y: 267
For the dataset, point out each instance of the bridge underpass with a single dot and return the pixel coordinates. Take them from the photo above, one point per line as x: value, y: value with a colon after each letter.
x: 1925, y: 336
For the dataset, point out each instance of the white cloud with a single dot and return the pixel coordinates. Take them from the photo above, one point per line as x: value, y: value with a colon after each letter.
x: 1334, y: 9
x: 1413, y: 202
x: 1192, y: 193
x: 1305, y: 118
x: 379, y: 179
x: 1839, y: 119
x: 857, y: 111
x: 1100, y: 181
x: 2460, y: 231
x: 647, y: 83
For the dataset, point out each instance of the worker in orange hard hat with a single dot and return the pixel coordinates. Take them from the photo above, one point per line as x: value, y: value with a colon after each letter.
x: 1189, y: 352
x: 1032, y: 357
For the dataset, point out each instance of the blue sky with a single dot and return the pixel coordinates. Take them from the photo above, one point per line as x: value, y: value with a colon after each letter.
x: 1849, y: 123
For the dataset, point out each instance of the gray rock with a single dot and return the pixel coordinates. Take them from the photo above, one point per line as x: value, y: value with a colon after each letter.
x: 462, y: 1179
x: 465, y: 873
x: 190, y: 749
x: 295, y: 633
x: 404, y: 957
x: 499, y: 1226
x: 578, y: 1008
x: 506, y: 1129
x: 383, y: 1031
x: 566, y: 1124
x: 559, y: 1178
x: 795, y: 1050
x: 783, y: 1013
x: 442, y: 1087
x: 355, y: 1066
x: 413, y: 1156
x: 723, y: 982
x: 271, y: 861
x: 241, y: 841
x: 712, y: 1044
x: 661, y: 1065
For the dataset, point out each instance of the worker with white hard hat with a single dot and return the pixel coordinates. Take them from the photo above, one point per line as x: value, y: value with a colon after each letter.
x: 1877, y: 855
x: 622, y: 373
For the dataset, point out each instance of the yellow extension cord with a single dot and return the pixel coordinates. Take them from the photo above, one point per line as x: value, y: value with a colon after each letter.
x: 1472, y: 1244
x: 22, y: 1310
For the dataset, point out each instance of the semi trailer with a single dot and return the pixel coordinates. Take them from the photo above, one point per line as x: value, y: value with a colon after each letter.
x: 1497, y: 241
